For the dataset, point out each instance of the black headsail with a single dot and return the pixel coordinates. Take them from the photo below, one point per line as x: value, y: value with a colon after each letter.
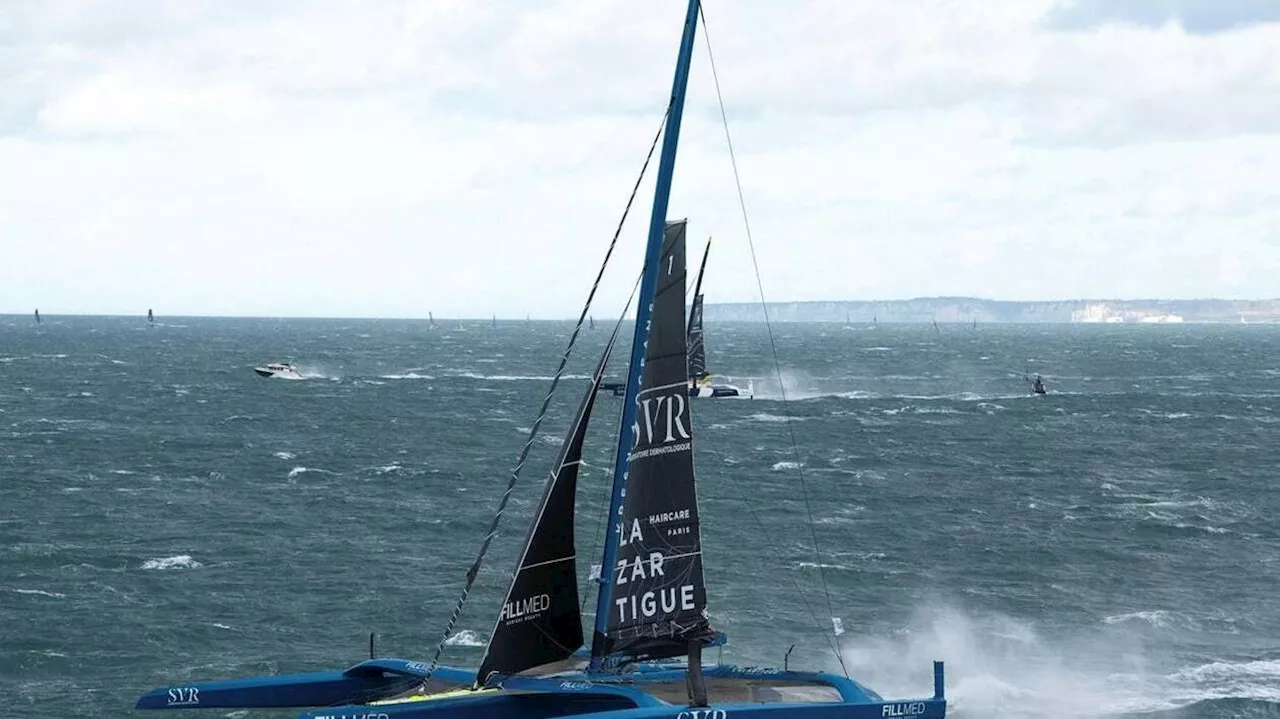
x: 540, y: 621
x: 659, y: 599
x: 697, y: 350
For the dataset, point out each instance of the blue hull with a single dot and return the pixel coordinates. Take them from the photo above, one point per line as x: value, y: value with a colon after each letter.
x: 368, y: 690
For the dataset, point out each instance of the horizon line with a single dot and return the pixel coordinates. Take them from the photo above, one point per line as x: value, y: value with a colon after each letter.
x: 492, y: 317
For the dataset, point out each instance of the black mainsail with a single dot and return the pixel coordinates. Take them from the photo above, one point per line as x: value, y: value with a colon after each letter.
x: 659, y: 601
x: 540, y: 621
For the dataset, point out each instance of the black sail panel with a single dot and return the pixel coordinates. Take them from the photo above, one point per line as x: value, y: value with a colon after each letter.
x: 695, y: 340
x: 659, y: 599
x: 697, y: 351
x: 540, y: 621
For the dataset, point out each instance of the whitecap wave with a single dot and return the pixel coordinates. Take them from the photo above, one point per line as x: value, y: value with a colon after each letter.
x: 517, y: 377
x: 1155, y: 617
x: 180, y: 561
x: 39, y: 593
x: 465, y: 638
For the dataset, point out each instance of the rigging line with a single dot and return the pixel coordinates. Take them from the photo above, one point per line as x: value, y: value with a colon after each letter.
x: 742, y: 202
x: 777, y: 558
x: 542, y: 413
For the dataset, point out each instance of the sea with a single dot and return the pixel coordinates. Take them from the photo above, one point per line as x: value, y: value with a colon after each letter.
x: 1110, y: 549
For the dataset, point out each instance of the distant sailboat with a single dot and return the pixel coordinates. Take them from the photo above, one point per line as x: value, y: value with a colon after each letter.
x: 38, y: 320
x: 431, y: 320
x: 700, y: 384
x: 591, y: 322
x: 151, y: 318
x: 1037, y: 385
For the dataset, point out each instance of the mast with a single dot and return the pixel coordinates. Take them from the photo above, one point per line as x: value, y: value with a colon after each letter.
x: 648, y: 289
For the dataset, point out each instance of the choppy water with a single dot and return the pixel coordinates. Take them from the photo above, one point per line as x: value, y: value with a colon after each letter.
x: 1112, y: 548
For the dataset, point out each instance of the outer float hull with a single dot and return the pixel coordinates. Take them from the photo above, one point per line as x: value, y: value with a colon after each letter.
x: 364, y: 682
x: 719, y: 390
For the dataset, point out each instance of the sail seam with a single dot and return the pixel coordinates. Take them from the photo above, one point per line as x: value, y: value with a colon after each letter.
x: 675, y: 556
x: 549, y: 561
x: 673, y: 385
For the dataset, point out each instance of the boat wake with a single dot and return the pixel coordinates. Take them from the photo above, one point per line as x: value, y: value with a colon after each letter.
x: 315, y: 372
x: 1000, y: 666
x: 516, y: 377
x: 415, y: 373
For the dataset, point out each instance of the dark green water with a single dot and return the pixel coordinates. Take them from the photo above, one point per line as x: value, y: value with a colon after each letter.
x: 1109, y: 549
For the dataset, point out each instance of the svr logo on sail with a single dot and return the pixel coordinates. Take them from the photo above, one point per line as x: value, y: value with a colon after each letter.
x: 703, y: 714
x: 902, y: 710
x: 661, y: 420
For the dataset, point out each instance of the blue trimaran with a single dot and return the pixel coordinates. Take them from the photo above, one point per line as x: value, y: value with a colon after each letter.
x: 651, y: 609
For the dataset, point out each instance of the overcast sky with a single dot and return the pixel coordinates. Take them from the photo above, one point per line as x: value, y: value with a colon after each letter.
x: 331, y: 158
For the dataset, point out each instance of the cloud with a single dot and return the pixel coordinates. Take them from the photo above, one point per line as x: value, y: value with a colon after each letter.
x: 329, y: 158
x: 1197, y: 16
